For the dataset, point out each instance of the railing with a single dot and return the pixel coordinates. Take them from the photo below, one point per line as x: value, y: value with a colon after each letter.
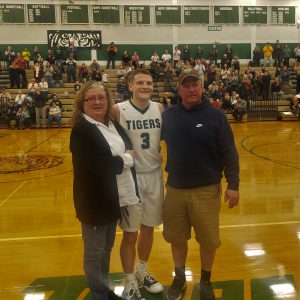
x: 263, y: 110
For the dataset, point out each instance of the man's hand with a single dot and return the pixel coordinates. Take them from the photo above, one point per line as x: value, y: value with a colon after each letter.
x: 232, y: 197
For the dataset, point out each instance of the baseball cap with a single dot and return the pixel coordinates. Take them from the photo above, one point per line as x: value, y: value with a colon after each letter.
x: 188, y: 74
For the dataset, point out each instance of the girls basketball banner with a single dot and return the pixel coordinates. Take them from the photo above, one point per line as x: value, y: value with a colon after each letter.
x: 80, y: 38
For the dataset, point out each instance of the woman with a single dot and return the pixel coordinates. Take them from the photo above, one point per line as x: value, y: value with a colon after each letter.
x: 126, y: 59
x: 225, y: 73
x: 256, y: 56
x: 155, y: 57
x: 176, y: 56
x: 83, y: 73
x: 167, y: 101
x: 26, y: 56
x: 135, y: 59
x: 103, y: 181
x: 48, y: 73
x: 9, y: 56
x: 286, y: 52
x: 211, y: 74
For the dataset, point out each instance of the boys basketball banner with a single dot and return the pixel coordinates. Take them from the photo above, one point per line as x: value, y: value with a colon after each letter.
x: 80, y: 38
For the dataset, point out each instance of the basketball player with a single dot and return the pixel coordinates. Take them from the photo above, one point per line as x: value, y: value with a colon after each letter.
x: 141, y: 119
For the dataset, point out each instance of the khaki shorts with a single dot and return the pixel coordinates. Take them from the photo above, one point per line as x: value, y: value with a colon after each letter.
x: 198, y: 208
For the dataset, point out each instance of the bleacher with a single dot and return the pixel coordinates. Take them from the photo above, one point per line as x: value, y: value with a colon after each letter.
x: 67, y: 99
x: 283, y: 104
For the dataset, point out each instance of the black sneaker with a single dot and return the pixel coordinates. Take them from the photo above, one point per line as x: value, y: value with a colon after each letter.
x: 177, y: 289
x: 149, y: 282
x: 206, y: 291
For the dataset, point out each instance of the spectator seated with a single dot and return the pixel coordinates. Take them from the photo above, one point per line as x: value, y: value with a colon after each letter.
x: 54, y: 115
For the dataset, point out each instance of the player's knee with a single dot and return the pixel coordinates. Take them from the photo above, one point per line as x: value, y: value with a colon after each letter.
x: 146, y: 229
x: 130, y: 237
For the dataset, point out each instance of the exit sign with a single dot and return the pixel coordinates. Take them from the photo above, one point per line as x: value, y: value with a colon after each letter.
x: 214, y: 28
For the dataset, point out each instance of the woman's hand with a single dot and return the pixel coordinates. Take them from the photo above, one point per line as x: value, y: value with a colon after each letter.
x: 131, y: 152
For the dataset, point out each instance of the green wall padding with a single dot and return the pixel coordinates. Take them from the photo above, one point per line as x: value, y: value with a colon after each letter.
x: 243, y: 50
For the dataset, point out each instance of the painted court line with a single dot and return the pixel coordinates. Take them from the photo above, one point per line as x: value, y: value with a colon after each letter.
x: 6, y: 199
x: 28, y: 238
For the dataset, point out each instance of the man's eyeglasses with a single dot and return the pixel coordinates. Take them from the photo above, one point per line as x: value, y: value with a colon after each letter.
x: 93, y: 99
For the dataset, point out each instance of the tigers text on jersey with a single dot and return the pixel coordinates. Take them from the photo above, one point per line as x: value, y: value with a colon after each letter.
x: 143, y: 129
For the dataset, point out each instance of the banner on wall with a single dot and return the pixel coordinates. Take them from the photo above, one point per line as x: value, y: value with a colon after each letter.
x: 80, y: 38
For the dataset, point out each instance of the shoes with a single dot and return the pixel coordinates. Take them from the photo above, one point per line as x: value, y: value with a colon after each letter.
x: 112, y: 296
x: 206, y: 291
x: 132, y: 292
x: 148, y: 282
x: 177, y: 289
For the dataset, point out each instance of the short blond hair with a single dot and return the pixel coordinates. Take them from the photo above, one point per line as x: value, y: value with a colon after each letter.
x: 78, y: 109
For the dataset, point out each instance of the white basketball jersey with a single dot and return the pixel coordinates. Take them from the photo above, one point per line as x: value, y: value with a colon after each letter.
x: 143, y: 129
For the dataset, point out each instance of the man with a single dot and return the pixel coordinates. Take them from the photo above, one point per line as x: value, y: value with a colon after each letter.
x: 229, y: 53
x: 266, y: 81
x: 111, y: 55
x: 225, y: 61
x: 5, y: 97
x: 276, y: 88
x: 176, y: 56
x: 141, y: 119
x: 122, y: 88
x: 297, y: 54
x: 239, y: 108
x: 295, y: 106
x: 268, y: 51
x: 94, y: 66
x: 72, y: 49
x: 200, y: 68
x: 277, y: 54
x: 166, y: 57
x: 40, y: 108
x: 71, y: 68
x: 57, y: 77
x: 200, y: 146
x: 168, y: 72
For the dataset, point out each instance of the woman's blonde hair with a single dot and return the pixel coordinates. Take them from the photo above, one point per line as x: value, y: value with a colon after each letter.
x: 78, y: 109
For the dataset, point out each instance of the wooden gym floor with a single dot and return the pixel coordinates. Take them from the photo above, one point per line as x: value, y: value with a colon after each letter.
x: 40, y: 241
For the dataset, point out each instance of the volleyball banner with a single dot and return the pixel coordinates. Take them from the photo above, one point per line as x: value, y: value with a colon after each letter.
x: 80, y: 38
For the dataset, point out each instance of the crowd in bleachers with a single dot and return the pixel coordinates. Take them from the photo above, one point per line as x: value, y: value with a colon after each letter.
x: 30, y: 110
x: 221, y: 75
x: 36, y: 84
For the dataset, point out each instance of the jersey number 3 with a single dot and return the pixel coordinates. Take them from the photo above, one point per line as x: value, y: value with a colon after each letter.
x: 146, y: 140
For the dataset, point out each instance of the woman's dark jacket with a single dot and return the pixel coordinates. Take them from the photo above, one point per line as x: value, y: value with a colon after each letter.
x: 95, y: 190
